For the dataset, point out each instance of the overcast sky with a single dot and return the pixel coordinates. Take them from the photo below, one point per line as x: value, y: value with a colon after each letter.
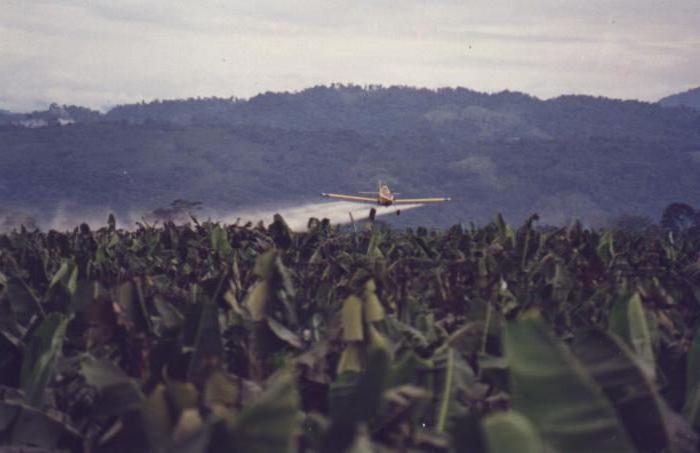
x: 99, y: 53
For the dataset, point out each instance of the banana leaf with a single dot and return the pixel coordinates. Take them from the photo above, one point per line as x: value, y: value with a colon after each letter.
x: 650, y: 422
x: 552, y: 389
x: 510, y: 432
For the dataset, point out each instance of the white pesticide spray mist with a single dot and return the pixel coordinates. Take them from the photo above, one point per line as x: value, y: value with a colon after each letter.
x: 297, y: 217
x: 337, y: 212
x: 68, y: 216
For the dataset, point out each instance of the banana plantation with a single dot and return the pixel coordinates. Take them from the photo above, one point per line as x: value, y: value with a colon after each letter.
x: 206, y: 337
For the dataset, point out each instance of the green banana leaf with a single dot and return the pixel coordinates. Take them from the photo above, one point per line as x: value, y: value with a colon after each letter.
x: 552, y: 389
x: 42, y: 354
x: 510, y: 431
x: 629, y: 321
x: 650, y: 422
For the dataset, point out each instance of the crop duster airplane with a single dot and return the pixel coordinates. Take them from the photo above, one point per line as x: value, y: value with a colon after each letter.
x: 385, y: 197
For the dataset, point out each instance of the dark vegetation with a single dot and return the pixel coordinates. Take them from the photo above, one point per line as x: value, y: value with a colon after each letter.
x: 209, y: 337
x: 566, y: 158
x: 690, y: 98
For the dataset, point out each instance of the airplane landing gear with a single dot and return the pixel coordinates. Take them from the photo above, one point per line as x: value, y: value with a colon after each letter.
x: 398, y: 212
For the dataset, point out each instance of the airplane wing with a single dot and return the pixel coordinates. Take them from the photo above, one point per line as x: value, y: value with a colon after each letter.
x: 421, y: 200
x: 349, y: 197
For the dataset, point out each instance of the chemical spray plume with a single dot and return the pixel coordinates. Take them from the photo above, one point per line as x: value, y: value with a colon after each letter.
x: 68, y: 216
x: 297, y: 217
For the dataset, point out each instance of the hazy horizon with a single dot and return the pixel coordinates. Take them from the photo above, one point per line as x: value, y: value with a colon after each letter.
x: 104, y: 108
x: 100, y: 53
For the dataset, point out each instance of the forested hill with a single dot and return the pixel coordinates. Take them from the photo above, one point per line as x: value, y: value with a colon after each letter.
x: 573, y: 156
x: 396, y: 110
x: 690, y: 98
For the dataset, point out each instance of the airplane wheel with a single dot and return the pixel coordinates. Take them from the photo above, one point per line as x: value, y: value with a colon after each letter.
x: 398, y: 212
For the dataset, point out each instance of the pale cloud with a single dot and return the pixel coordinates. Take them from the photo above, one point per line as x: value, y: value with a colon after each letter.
x: 99, y: 53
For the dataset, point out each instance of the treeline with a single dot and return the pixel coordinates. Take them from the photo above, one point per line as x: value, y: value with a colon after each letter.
x: 398, y: 109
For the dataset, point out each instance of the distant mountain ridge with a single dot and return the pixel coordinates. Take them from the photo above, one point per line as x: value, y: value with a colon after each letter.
x: 565, y: 158
x: 397, y: 110
x: 689, y: 98
x: 383, y: 110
